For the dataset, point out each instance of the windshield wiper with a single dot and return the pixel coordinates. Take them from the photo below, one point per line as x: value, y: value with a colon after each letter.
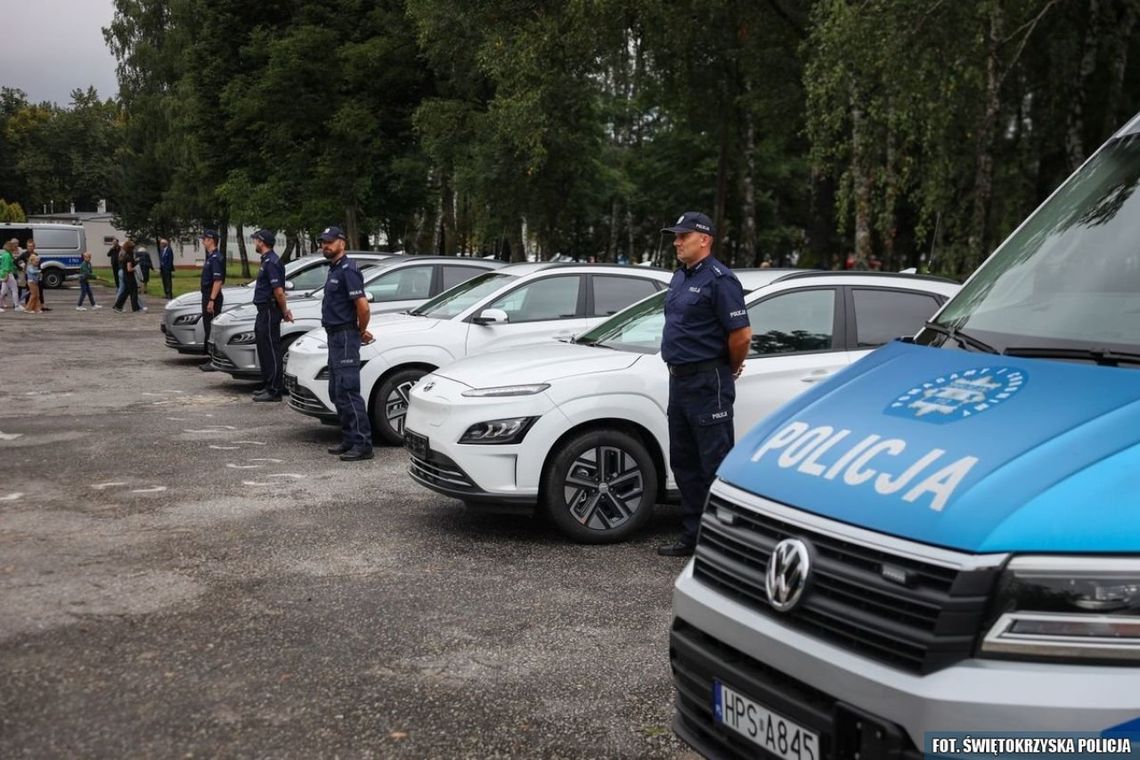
x: 1103, y: 356
x: 963, y: 339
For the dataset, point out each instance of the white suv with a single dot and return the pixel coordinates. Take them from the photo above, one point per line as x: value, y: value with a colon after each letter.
x: 579, y: 428
x: 514, y: 305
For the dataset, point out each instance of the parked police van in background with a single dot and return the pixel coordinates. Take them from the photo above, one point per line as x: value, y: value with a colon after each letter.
x: 945, y: 536
x: 59, y: 246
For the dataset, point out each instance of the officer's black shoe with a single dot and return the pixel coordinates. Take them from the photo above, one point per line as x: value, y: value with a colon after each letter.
x: 207, y: 367
x: 679, y: 549
x: 356, y: 453
x: 340, y: 449
x: 263, y: 396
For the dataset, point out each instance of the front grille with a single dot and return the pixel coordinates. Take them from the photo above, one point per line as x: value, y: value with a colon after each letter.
x: 304, y: 400
x: 929, y: 623
x: 439, y: 470
x: 220, y: 360
x: 172, y: 342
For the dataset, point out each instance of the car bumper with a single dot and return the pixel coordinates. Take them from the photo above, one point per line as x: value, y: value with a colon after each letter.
x: 302, y: 365
x: 508, y: 474
x: 186, y: 339
x: 302, y: 400
x: 239, y: 361
x: 838, y: 694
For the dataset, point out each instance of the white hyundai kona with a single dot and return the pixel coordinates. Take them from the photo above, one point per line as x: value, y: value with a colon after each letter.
x: 578, y: 428
x: 515, y: 305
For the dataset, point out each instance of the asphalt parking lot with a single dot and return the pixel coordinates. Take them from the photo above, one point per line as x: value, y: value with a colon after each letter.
x: 184, y: 572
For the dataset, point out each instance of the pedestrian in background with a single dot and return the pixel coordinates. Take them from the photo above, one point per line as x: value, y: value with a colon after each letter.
x: 143, y: 265
x: 126, y: 250
x: 40, y: 278
x: 704, y: 343
x: 85, y: 273
x: 21, y: 259
x: 213, y: 278
x: 269, y: 298
x: 113, y: 253
x: 8, y: 276
x: 345, y: 315
x: 166, y: 267
x: 32, y: 270
x: 127, y: 278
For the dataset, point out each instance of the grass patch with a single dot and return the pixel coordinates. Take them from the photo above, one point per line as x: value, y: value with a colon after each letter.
x: 185, y: 280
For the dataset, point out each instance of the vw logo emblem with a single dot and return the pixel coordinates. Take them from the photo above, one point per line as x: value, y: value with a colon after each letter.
x: 787, y: 575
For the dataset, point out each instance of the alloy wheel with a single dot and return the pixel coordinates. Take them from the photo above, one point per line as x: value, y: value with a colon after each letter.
x: 604, y: 487
x: 396, y: 406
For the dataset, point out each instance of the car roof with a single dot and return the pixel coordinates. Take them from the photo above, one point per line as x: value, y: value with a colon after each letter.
x: 897, y: 280
x: 524, y: 269
x: 403, y: 261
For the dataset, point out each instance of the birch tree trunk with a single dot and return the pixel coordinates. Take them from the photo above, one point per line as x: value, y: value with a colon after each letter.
x: 1075, y: 134
x: 984, y: 152
x: 748, y: 213
x: 1122, y: 36
x: 861, y: 178
x: 242, y: 253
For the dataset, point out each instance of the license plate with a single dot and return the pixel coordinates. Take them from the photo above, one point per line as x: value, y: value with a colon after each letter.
x: 416, y: 444
x: 763, y: 727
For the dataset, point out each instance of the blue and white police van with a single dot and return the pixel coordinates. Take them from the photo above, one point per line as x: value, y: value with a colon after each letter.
x: 944, y: 537
x: 59, y: 246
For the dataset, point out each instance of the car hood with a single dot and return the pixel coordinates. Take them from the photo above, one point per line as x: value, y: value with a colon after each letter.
x: 971, y: 451
x: 239, y: 294
x: 392, y: 330
x: 540, y: 362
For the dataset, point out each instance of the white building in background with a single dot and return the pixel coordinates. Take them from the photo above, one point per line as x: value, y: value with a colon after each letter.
x: 101, y: 234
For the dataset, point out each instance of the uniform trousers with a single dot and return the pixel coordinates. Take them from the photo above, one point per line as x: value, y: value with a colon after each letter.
x: 344, y: 387
x: 700, y: 436
x: 208, y: 319
x: 267, y: 331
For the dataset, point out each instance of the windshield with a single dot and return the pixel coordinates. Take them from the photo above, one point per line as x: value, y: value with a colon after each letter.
x: 1070, y: 276
x: 453, y: 302
x: 636, y: 329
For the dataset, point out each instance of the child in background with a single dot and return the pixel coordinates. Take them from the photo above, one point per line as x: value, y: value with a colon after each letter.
x: 33, y: 275
x: 85, y: 283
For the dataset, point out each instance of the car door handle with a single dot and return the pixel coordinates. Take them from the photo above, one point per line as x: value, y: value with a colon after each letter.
x: 816, y: 376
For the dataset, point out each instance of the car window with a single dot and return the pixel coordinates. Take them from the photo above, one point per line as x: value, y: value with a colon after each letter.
x: 453, y: 302
x: 67, y: 239
x: 453, y: 275
x: 405, y: 284
x: 883, y: 315
x: 308, y: 279
x: 548, y: 298
x: 795, y: 322
x: 612, y: 293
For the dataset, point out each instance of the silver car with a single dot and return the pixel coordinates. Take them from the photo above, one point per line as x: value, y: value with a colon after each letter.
x: 182, y: 318
x: 390, y: 286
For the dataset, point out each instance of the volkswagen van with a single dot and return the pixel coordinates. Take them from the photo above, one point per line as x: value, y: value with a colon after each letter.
x: 944, y: 536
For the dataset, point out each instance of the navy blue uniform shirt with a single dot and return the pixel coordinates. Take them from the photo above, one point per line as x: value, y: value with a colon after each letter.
x: 213, y: 270
x: 270, y: 277
x: 342, y: 287
x: 703, y: 305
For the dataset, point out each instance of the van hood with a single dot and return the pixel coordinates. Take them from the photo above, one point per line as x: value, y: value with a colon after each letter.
x: 540, y: 362
x: 976, y: 452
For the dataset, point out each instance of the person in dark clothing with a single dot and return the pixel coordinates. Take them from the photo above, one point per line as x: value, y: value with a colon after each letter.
x: 213, y: 279
x: 166, y: 267
x: 269, y: 298
x: 113, y: 255
x: 704, y: 343
x: 143, y: 260
x: 130, y: 284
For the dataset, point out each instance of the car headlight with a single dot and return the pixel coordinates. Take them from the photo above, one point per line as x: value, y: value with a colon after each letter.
x: 506, y: 390
x: 243, y: 338
x: 499, y: 432
x: 187, y: 319
x: 1084, y: 608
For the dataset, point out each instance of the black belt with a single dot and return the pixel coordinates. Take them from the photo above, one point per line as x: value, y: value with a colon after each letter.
x: 340, y: 328
x: 267, y: 305
x: 684, y: 370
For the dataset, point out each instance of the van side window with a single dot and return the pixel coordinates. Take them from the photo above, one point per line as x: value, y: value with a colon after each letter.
x: 883, y: 315
x: 794, y: 322
x: 66, y: 239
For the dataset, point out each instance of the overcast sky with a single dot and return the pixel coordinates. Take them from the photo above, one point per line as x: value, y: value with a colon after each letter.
x: 55, y: 46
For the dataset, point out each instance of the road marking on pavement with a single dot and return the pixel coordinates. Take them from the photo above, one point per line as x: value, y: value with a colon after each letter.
x: 216, y: 429
x: 172, y: 390
x: 224, y: 448
x: 266, y: 459
x: 9, y: 436
x: 292, y: 475
x: 254, y: 483
x: 252, y: 443
x: 152, y: 489
x: 101, y: 486
x: 233, y: 466
x: 177, y: 419
x: 12, y: 496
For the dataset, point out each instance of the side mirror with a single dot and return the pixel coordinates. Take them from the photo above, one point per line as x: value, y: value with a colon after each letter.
x: 491, y: 317
x: 289, y: 285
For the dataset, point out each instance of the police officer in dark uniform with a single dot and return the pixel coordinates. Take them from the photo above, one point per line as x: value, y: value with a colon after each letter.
x: 345, y: 315
x: 213, y: 278
x: 704, y: 344
x: 269, y: 298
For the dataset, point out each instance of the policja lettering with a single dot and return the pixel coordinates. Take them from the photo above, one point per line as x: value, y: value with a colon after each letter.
x: 805, y: 448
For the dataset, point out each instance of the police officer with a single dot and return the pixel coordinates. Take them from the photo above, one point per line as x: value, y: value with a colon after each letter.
x: 704, y: 344
x: 269, y: 298
x: 213, y: 278
x: 344, y: 315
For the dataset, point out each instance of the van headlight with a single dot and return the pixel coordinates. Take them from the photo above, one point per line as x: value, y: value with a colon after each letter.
x: 500, y: 432
x: 1071, y: 608
x: 243, y: 338
x: 506, y: 390
x: 188, y: 319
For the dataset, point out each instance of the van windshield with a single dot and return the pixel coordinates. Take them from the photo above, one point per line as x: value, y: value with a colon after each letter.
x: 1069, y: 278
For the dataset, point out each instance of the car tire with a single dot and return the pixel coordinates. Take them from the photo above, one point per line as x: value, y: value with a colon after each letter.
x: 390, y: 404
x: 53, y: 278
x: 576, y: 487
